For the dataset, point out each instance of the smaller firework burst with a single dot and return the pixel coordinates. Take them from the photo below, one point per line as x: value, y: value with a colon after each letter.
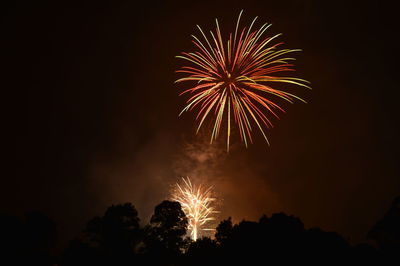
x: 197, y: 203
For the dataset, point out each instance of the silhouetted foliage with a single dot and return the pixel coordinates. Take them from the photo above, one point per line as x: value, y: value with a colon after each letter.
x: 201, y: 252
x: 386, y: 232
x: 117, y: 231
x: 81, y: 253
x: 365, y: 254
x: 113, y: 237
x: 165, y: 233
x: 116, y: 238
x: 282, y: 237
x: 223, y: 231
x: 12, y: 237
x: 27, y: 241
x: 325, y: 245
x: 40, y: 233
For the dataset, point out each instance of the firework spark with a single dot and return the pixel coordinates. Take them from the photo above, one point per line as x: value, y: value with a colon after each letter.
x: 197, y: 203
x: 236, y: 78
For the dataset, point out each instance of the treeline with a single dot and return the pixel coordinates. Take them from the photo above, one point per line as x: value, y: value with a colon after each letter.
x: 116, y: 238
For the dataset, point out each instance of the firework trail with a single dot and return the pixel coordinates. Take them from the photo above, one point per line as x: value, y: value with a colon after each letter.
x: 235, y: 79
x: 197, y: 203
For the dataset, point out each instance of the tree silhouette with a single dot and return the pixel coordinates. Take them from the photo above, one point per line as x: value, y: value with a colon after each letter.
x: 204, y: 251
x: 223, y: 231
x: 116, y: 238
x: 386, y: 232
x: 165, y: 234
x: 40, y: 238
x: 280, y: 237
x: 282, y: 233
x: 117, y: 231
x: 112, y: 238
x: 27, y: 241
x: 320, y: 244
x: 11, y: 231
x: 80, y: 252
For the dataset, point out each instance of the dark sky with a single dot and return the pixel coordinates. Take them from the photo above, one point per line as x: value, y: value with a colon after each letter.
x: 90, y: 112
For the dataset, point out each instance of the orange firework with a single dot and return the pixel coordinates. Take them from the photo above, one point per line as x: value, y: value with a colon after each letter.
x: 236, y: 79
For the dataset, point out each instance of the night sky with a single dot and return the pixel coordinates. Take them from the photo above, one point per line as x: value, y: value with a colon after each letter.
x: 90, y: 112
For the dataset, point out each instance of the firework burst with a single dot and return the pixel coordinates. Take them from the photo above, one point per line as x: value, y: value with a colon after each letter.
x: 197, y: 203
x: 234, y: 80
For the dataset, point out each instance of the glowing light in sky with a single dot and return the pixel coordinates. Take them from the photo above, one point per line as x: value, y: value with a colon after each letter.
x: 197, y: 203
x: 234, y: 78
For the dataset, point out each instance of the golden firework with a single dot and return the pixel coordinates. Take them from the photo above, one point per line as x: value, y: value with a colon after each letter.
x: 197, y: 203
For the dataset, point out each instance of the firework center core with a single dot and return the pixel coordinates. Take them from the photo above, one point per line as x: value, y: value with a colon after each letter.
x: 228, y: 79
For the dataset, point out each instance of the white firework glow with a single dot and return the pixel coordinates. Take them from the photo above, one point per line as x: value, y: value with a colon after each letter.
x: 197, y: 203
